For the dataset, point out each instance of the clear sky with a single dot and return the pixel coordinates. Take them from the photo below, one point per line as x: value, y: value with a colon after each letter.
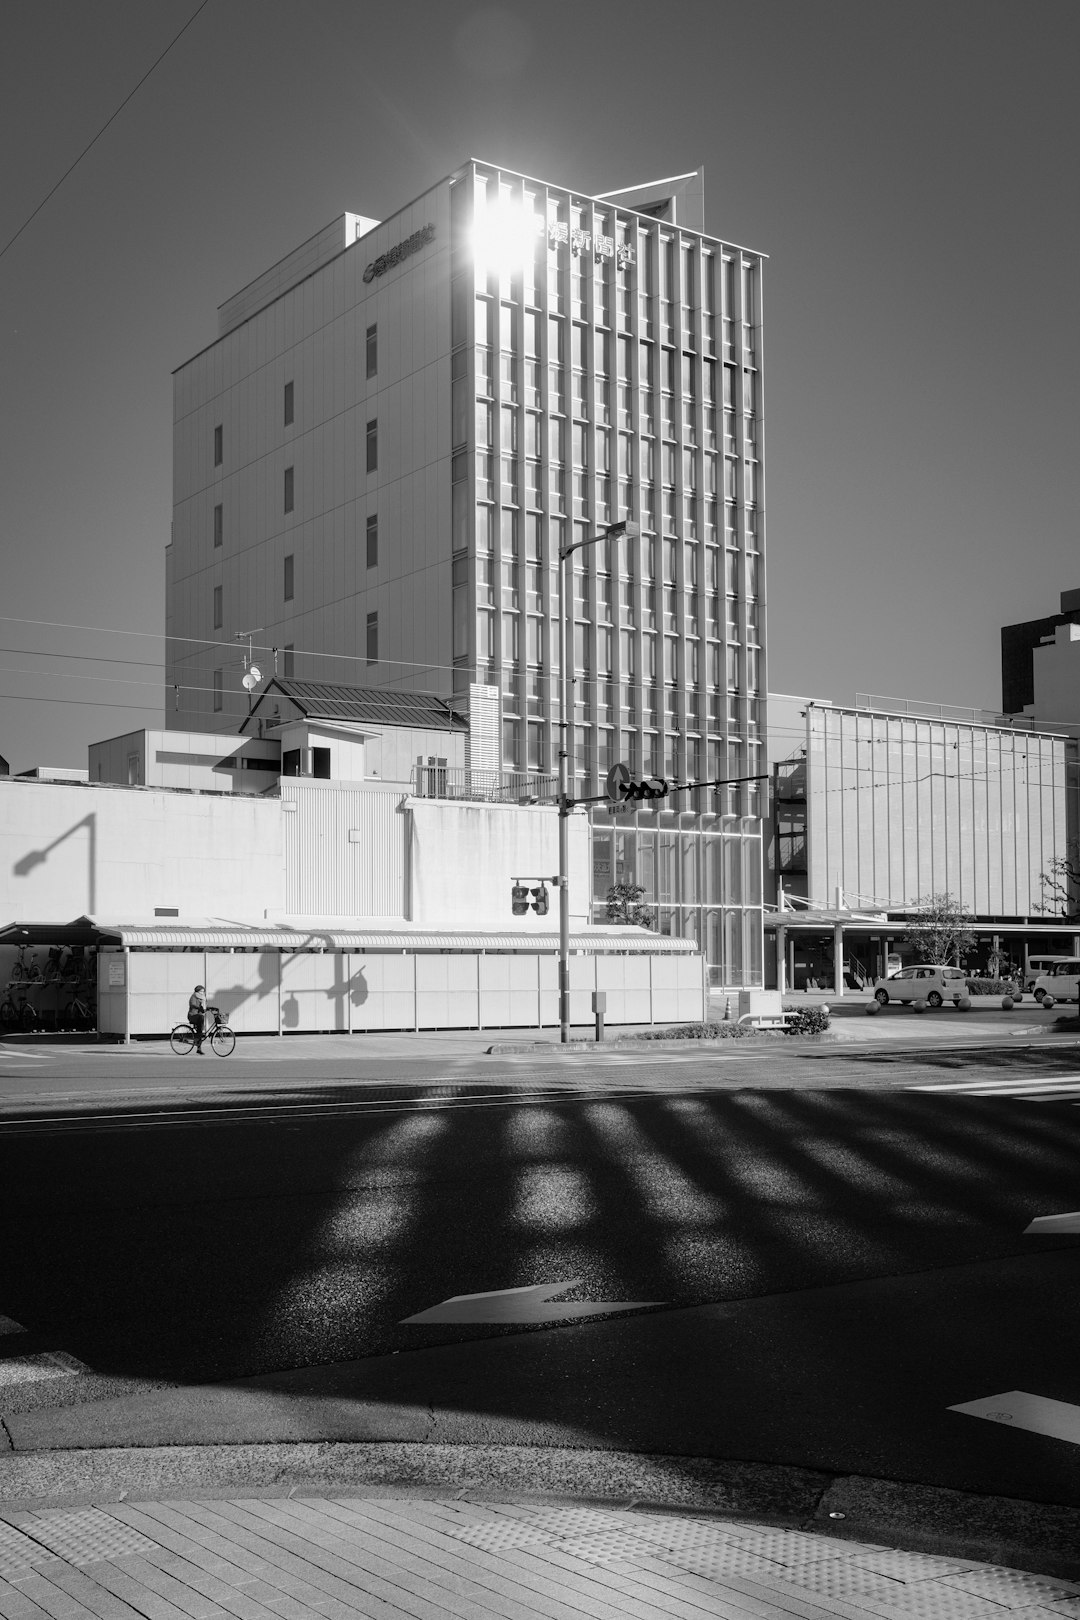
x: 908, y: 165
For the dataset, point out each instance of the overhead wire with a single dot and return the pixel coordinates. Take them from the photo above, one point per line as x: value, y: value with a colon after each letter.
x: 110, y: 120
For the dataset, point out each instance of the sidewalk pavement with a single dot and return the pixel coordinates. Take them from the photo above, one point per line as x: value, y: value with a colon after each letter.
x: 258, y: 1556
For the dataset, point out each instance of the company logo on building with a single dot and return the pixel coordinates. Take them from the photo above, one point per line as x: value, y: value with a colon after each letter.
x: 412, y: 244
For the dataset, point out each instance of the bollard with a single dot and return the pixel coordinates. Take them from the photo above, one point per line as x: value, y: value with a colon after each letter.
x: 599, y: 1007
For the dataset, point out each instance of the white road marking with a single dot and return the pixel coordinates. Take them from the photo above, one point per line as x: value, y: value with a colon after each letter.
x: 523, y: 1305
x: 1055, y: 1223
x: 33, y: 1369
x: 1037, y: 1413
x: 1060, y: 1085
x: 7, y: 1325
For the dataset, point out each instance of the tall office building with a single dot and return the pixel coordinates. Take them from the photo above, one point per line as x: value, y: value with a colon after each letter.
x: 398, y: 427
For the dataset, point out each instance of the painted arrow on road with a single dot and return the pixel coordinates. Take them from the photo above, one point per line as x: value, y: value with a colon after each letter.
x: 1054, y: 1223
x: 524, y: 1305
x: 1037, y: 1413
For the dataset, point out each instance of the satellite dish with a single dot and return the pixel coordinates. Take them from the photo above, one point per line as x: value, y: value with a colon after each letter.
x: 250, y: 682
x: 256, y: 674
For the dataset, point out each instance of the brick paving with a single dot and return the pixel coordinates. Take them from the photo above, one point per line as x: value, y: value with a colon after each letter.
x: 333, y: 1558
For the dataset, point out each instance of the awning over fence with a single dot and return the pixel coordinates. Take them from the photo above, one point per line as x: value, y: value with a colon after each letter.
x: 212, y: 934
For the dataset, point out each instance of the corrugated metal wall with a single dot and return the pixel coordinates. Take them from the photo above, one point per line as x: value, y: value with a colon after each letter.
x: 346, y: 851
x: 899, y: 808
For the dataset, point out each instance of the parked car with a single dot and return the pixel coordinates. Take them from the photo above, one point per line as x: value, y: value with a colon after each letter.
x: 925, y: 981
x: 1038, y: 965
x: 1062, y: 980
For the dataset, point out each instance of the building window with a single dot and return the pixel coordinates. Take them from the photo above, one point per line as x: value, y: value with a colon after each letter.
x: 289, y: 660
x: 218, y: 612
x: 290, y: 485
x: 372, y: 350
x: 219, y: 445
x: 288, y: 404
x: 219, y: 689
x: 373, y: 540
x: 288, y: 591
x: 373, y: 638
x: 320, y: 763
x: 373, y: 446
x: 219, y: 524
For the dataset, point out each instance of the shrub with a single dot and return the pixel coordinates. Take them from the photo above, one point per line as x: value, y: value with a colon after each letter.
x: 698, y: 1032
x: 808, y: 1020
x: 993, y: 987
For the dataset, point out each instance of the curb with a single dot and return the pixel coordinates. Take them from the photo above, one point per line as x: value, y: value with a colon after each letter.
x: 919, y: 1518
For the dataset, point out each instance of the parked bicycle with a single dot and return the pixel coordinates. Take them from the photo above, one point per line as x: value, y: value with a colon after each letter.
x: 221, y: 1038
x: 16, y: 1012
x: 26, y: 967
x: 77, y: 1013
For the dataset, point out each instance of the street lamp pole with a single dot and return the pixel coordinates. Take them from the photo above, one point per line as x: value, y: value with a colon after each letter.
x: 566, y: 802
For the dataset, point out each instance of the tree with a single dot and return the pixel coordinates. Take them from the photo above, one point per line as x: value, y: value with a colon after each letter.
x: 940, y: 929
x: 624, y: 905
x: 1061, y: 886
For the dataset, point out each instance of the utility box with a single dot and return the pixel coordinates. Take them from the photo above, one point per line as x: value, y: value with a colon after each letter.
x: 755, y: 1004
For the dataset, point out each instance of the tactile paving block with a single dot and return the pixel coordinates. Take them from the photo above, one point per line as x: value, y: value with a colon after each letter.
x: 910, y: 1566
x: 85, y: 1536
x: 502, y: 1530
x: 17, y: 1552
x: 1012, y: 1587
x: 696, y: 1555
x: 921, y: 1600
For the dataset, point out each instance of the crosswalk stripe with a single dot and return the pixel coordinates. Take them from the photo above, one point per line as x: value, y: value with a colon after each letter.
x: 1045, y: 1087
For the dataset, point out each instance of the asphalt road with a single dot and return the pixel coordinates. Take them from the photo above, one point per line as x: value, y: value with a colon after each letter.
x: 834, y: 1268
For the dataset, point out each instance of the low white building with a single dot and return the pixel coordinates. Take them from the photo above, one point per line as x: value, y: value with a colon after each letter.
x: 322, y: 905
x: 876, y: 806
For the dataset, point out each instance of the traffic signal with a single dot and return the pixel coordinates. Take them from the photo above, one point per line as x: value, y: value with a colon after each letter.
x: 540, y: 901
x: 623, y: 784
x: 519, y: 900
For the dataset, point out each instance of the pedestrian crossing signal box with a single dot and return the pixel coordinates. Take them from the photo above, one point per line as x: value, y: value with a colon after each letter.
x: 524, y: 899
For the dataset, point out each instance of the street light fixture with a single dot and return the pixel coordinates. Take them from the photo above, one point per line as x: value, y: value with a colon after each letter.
x: 614, y: 531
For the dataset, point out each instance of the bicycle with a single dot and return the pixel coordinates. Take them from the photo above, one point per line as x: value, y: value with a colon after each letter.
x: 16, y: 1014
x: 26, y: 967
x: 221, y: 1038
x: 76, y: 1014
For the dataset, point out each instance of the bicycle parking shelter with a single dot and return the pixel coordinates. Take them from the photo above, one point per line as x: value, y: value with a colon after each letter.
x: 44, y: 1000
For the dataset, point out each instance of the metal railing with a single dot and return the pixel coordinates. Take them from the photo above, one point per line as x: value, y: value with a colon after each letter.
x: 488, y: 787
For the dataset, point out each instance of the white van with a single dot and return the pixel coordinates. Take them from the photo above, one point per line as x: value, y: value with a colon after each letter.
x: 1061, y: 980
x: 1040, y: 964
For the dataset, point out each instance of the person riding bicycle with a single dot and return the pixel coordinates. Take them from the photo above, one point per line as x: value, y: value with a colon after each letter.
x: 196, y: 1011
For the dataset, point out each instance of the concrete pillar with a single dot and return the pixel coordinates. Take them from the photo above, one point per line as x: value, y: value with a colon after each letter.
x: 1076, y: 945
x: 791, y: 961
x: 838, y: 959
x: 781, y: 960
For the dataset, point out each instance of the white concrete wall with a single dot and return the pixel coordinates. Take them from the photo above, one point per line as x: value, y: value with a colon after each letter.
x: 119, y: 853
x: 359, y: 851
x: 197, y: 760
x: 264, y: 992
x: 466, y: 857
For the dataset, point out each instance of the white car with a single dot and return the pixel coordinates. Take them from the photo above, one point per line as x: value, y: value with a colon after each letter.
x: 1062, y: 980
x: 928, y: 982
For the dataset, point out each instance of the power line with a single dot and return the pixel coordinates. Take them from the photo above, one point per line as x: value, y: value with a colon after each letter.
x: 71, y: 167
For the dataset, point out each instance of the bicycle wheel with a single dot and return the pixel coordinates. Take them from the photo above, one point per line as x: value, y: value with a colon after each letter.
x: 9, y: 1014
x: 182, y: 1039
x: 222, y: 1040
